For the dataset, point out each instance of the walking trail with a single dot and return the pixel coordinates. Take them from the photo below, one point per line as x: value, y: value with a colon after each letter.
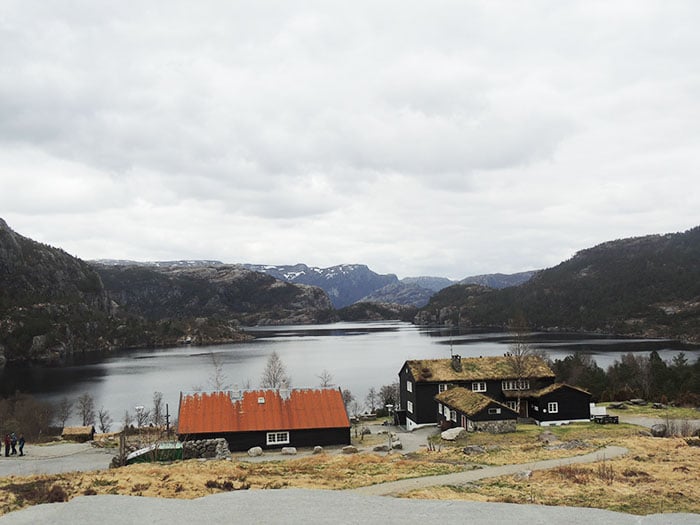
x: 461, y: 478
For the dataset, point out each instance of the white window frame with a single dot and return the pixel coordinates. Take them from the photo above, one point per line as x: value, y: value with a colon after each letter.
x: 442, y: 387
x: 513, y: 384
x: 278, y: 438
x: 479, y: 386
x: 409, y: 406
x: 494, y: 410
x: 440, y: 408
x: 553, y: 407
x: 513, y: 405
x: 453, y: 415
x: 409, y: 386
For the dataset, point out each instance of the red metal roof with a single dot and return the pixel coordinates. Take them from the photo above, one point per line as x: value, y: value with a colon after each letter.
x: 256, y: 410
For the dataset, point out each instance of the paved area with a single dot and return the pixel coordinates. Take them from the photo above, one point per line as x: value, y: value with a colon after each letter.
x: 55, y: 459
x: 461, y: 478
x: 312, y: 507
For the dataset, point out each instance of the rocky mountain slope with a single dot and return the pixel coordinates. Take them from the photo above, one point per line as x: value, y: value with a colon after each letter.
x: 499, y: 280
x: 224, y: 291
x: 53, y: 305
x: 345, y: 284
x: 647, y: 286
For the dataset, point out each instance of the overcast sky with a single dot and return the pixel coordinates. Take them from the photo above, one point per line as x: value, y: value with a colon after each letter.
x: 419, y: 138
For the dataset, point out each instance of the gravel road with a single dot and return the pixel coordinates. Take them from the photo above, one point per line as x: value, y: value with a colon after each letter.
x: 55, y: 459
x: 312, y: 507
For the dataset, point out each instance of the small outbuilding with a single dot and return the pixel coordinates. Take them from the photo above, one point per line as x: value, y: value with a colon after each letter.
x: 79, y: 434
x: 473, y: 411
x: 272, y: 418
x: 559, y: 404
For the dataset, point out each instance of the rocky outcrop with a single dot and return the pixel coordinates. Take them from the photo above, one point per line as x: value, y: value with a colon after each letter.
x: 206, y: 449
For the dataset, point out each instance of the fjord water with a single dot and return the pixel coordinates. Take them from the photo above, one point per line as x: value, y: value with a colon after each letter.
x: 358, y: 355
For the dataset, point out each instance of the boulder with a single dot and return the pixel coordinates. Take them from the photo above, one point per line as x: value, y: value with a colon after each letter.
x: 453, y: 434
x: 547, y: 437
x: 659, y: 430
x: 255, y: 452
x: 289, y: 451
x: 523, y: 475
x: 397, y: 445
x: 349, y: 450
x: 318, y: 449
x: 381, y: 448
x: 473, y: 449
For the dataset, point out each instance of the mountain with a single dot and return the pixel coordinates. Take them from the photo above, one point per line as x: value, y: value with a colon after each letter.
x: 51, y: 304
x: 644, y: 286
x: 54, y: 305
x: 499, y: 280
x: 434, y: 284
x: 345, y: 284
x: 159, y: 264
x: 224, y: 291
x: 401, y: 294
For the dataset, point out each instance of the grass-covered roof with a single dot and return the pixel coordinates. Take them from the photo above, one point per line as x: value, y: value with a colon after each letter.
x: 476, y: 369
x: 466, y: 401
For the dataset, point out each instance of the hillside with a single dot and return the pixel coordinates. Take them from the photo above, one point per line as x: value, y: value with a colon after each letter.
x: 224, y: 291
x: 646, y: 286
x: 53, y: 305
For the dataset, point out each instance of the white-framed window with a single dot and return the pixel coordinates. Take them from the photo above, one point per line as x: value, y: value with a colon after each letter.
x: 409, y: 406
x: 494, y: 410
x: 453, y: 415
x: 409, y: 386
x: 522, y: 384
x: 439, y: 408
x: 277, y: 438
x: 478, y: 386
x: 442, y: 387
x: 513, y: 405
x: 553, y: 408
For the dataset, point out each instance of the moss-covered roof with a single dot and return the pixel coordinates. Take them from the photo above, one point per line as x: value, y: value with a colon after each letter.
x: 475, y: 369
x: 466, y: 401
x: 553, y: 388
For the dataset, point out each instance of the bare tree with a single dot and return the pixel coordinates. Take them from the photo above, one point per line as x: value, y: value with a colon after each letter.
x: 523, y: 358
x: 157, y: 416
x: 143, y: 414
x: 347, y: 397
x: 104, y: 419
x: 372, y: 400
x: 128, y: 419
x: 275, y: 373
x: 326, y: 378
x: 86, y: 409
x: 64, y: 408
x: 389, y: 394
x: 218, y: 379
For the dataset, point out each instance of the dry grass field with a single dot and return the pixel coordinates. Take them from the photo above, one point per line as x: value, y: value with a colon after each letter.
x: 658, y: 475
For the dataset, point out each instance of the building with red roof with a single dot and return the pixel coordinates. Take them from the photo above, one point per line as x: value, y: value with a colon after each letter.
x: 266, y: 418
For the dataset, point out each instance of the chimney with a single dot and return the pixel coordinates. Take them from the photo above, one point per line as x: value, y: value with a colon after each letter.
x: 457, y: 363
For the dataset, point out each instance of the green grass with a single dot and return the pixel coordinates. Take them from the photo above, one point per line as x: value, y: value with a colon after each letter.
x: 648, y: 411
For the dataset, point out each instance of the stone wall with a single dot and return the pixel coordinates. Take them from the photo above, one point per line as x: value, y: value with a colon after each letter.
x: 495, y: 427
x: 206, y: 448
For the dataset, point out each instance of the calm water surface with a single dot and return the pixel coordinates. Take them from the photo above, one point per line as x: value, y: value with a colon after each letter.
x: 358, y: 355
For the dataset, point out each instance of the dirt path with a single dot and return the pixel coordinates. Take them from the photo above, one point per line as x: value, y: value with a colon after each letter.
x: 460, y: 478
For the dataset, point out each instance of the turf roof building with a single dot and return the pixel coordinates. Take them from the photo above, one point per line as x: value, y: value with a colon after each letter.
x: 266, y: 418
x: 525, y: 393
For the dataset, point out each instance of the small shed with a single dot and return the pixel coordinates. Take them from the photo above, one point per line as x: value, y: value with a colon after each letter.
x: 79, y: 434
x: 560, y: 404
x: 474, y: 412
x: 271, y: 418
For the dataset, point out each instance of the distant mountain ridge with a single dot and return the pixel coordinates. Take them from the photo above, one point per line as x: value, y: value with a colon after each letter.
x: 645, y: 286
x: 345, y: 284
